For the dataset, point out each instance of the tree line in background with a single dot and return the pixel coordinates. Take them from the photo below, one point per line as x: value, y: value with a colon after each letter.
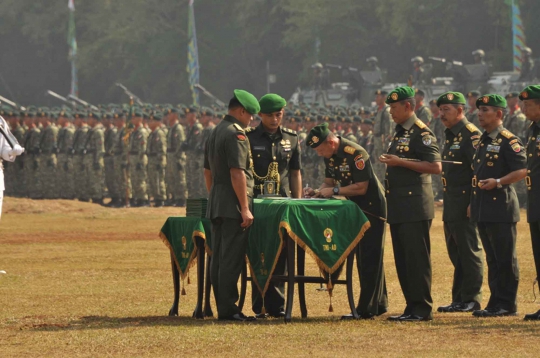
x: 143, y: 43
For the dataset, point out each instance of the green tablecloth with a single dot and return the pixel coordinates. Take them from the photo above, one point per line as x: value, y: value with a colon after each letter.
x: 178, y: 234
x: 326, y: 229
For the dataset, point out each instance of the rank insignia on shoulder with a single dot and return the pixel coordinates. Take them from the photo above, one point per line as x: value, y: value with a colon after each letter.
x: 290, y: 131
x: 507, y: 134
x: 420, y: 124
x: 238, y: 127
x: 513, y: 141
x: 472, y: 128
x: 349, y: 150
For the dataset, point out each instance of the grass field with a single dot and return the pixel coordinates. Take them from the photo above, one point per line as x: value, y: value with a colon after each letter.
x: 87, y: 281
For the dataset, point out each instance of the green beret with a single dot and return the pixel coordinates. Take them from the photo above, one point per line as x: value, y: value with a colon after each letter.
x: 491, y: 100
x: 330, y: 119
x: 348, y: 120
x: 530, y: 92
x: 95, y: 115
x: 271, y: 103
x: 357, y: 119
x: 317, y: 135
x: 473, y: 94
x: 451, y: 98
x: 400, y: 94
x: 248, y: 101
x: 157, y: 116
x: 191, y: 109
x: 137, y: 112
x: 367, y: 121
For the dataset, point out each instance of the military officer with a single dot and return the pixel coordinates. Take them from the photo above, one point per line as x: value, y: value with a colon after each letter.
x: 121, y: 169
x: 110, y: 139
x: 462, y: 242
x: 382, y: 127
x: 47, y: 153
x: 193, y: 147
x: 208, y: 125
x: 176, y: 160
x: 422, y: 111
x: 412, y: 156
x: 31, y: 158
x: 349, y: 173
x: 499, y: 161
x: 531, y: 106
x: 157, y: 160
x: 79, y: 143
x: 138, y: 161
x: 229, y: 181
x: 472, y: 113
x: 93, y: 158
x: 310, y: 160
x: 276, y: 157
x: 65, y: 156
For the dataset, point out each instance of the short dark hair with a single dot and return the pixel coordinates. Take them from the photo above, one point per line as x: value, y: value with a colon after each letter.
x: 234, y: 103
x: 411, y: 101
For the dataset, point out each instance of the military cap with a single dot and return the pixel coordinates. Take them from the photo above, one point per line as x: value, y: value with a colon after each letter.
x: 530, y: 92
x: 330, y: 119
x: 317, y: 135
x: 451, y: 98
x: 512, y: 95
x: 64, y: 114
x: 372, y: 59
x: 400, y: 94
x: 248, y: 101
x: 380, y: 91
x: 191, y: 109
x: 310, y: 118
x: 473, y: 94
x: 106, y: 115
x: 156, y: 116
x: 293, y: 119
x: 367, y: 121
x: 169, y: 110
x: 95, y: 115
x: 433, y: 102
x: 491, y: 100
x: 348, y: 120
x: 43, y: 114
x: 300, y: 113
x: 479, y: 52
x: 117, y: 115
x: 320, y: 117
x: 271, y: 103
x: 357, y: 119
x: 207, y: 112
x: 137, y: 112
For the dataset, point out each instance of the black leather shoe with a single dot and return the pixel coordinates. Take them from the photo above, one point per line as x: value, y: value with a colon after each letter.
x: 261, y: 315
x: 494, y: 312
x: 239, y: 317
x: 532, y: 316
x: 450, y: 308
x: 397, y: 318
x: 467, y: 307
x: 280, y: 314
x: 415, y: 318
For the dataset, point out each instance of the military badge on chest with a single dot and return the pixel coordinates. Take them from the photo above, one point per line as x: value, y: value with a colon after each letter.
x: 403, y: 143
x: 286, y: 144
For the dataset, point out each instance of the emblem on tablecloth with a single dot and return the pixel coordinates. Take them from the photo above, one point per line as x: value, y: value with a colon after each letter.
x: 328, y: 234
x: 184, y: 243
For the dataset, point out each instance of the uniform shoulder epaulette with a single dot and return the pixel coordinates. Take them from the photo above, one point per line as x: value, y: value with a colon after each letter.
x: 472, y: 128
x: 238, y: 127
x: 249, y: 129
x: 420, y: 124
x: 349, y: 150
x: 290, y: 131
x: 507, y: 134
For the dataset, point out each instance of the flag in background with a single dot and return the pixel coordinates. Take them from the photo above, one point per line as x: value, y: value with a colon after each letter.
x: 518, y: 34
x: 193, y: 55
x: 72, y: 43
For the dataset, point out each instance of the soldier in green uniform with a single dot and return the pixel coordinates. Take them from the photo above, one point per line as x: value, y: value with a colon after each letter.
x: 229, y: 180
x: 65, y: 156
x: 499, y: 161
x: 472, y: 113
x: 276, y: 157
x: 347, y: 130
x: 176, y: 160
x: 382, y: 130
x: 93, y: 158
x: 531, y: 106
x: 194, y: 152
x: 31, y: 159
x: 15, y: 172
x: 110, y: 137
x: 121, y: 169
x: 310, y: 160
x: 437, y: 128
x: 138, y: 160
x: 47, y: 153
x: 422, y: 111
x: 208, y: 126
x: 349, y: 173
x: 365, y: 135
x: 412, y: 156
x: 79, y: 143
x: 157, y: 160
x: 462, y: 241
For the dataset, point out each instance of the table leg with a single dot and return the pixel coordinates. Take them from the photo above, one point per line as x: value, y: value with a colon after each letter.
x: 198, y: 313
x: 349, y: 277
x: 176, y: 287
x: 301, y: 262
x: 243, y: 287
x: 291, y: 246
x: 207, y: 290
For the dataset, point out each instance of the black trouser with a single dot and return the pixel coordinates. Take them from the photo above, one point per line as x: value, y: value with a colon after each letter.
x: 535, y: 238
x: 465, y: 252
x: 369, y: 260
x: 412, y: 254
x: 499, y: 241
x: 229, y: 244
x: 274, y: 299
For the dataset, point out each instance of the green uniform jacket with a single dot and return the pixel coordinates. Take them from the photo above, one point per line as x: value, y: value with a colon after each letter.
x: 499, y: 153
x: 65, y: 139
x: 409, y: 194
x: 533, y: 172
x: 157, y: 147
x: 228, y: 147
x: 351, y: 164
x: 460, y: 145
x: 175, y: 140
x: 424, y: 114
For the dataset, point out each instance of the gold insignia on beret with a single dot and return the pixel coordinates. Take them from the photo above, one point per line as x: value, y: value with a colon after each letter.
x: 485, y: 99
x: 450, y: 96
x: 394, y: 96
x: 525, y: 94
x: 315, y: 139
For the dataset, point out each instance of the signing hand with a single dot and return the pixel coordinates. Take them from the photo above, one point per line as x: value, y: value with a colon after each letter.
x: 326, y: 192
x: 487, y: 184
x: 390, y: 160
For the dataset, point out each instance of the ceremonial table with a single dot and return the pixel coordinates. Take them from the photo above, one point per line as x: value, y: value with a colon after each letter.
x: 327, y: 229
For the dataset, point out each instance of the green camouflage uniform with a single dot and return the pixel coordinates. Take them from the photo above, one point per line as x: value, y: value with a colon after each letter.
x: 93, y: 163
x: 138, y: 161
x: 65, y: 162
x: 157, y: 161
x: 195, y: 158
x: 121, y: 171
x: 79, y: 175
x: 15, y: 181
x: 382, y: 128
x: 31, y: 163
x: 516, y: 124
x: 176, y: 163
x: 424, y: 114
x: 47, y: 169
x: 111, y: 182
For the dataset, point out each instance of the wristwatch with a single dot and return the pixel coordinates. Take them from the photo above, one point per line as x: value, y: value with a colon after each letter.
x: 336, y: 190
x: 499, y: 185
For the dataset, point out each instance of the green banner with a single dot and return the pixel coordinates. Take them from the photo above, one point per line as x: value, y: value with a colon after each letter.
x: 328, y: 230
x: 178, y: 234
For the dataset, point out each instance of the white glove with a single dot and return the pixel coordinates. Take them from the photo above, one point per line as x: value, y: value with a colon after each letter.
x: 16, y: 151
